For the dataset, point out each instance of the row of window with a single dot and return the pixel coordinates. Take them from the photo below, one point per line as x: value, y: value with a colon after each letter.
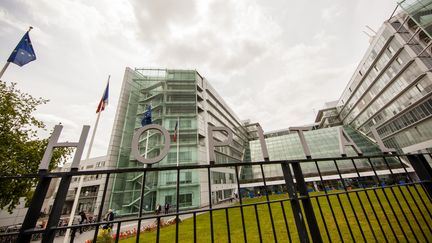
x: 184, y: 157
x: 88, y: 178
x: 394, y: 89
x: 185, y: 200
x: 181, y: 75
x: 366, y: 65
x: 380, y: 83
x: 170, y: 178
x: 414, y: 115
x: 413, y: 135
x: 383, y: 80
x: 416, y: 92
x: 184, y: 123
x: 222, y: 178
x: 231, y: 157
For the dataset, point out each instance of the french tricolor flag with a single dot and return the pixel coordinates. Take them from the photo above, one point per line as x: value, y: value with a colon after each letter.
x: 175, y: 132
x: 104, y: 100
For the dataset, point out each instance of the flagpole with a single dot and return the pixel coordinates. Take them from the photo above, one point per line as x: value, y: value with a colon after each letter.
x: 4, y: 69
x: 178, y: 139
x: 7, y: 63
x: 178, y: 171
x: 81, y: 180
x: 147, y: 142
x: 148, y: 136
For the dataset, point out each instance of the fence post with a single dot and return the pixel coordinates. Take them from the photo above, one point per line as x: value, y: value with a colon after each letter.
x: 307, y: 204
x: 33, y: 212
x: 295, y: 205
x: 49, y: 234
x: 423, y: 171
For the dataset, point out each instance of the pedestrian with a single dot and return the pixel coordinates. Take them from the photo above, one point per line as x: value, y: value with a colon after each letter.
x: 82, y: 219
x: 158, y: 209
x: 109, y: 217
x: 167, y: 206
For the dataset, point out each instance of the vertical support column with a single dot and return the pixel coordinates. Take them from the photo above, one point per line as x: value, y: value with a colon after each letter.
x: 423, y: 171
x: 307, y: 204
x: 54, y: 217
x: 35, y: 207
x: 295, y: 205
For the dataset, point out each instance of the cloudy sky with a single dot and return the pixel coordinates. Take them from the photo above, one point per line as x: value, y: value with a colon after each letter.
x: 275, y: 62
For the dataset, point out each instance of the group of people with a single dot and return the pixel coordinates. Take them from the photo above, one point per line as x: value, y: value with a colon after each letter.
x: 159, y: 208
x: 108, y: 217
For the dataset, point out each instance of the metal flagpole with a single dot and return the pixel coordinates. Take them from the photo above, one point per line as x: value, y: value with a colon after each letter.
x: 147, y: 142
x: 147, y: 139
x: 178, y: 172
x: 7, y: 63
x: 4, y: 69
x: 178, y: 139
x: 81, y: 180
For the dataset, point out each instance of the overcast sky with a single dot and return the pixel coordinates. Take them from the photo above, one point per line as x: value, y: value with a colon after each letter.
x: 275, y: 62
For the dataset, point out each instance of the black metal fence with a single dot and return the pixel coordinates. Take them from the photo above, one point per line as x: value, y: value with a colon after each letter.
x: 367, y: 199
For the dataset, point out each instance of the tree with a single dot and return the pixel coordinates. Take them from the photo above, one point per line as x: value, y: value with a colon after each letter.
x: 20, y: 148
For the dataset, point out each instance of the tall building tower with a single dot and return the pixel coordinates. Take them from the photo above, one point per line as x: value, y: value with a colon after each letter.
x: 181, y: 97
x: 391, y: 88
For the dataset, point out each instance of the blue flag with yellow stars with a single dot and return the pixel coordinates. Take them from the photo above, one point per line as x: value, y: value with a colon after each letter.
x: 147, y: 118
x: 23, y: 52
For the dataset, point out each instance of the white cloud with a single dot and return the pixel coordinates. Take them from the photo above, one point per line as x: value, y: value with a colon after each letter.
x: 51, y: 118
x: 273, y: 62
x: 331, y: 13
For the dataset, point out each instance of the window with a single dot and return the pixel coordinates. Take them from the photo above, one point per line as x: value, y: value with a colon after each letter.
x: 186, y: 177
x: 376, y: 68
x: 171, y: 178
x: 185, y: 200
x: 419, y: 87
x: 183, y: 157
x: 169, y: 199
x: 399, y: 60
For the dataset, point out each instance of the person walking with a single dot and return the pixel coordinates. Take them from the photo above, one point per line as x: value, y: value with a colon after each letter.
x: 167, y: 206
x: 82, y: 219
x: 158, y: 209
x: 109, y: 217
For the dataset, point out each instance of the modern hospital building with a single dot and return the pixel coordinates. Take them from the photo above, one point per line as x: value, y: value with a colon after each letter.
x: 389, y: 90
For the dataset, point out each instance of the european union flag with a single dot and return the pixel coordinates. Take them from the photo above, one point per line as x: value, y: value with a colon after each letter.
x: 23, y: 52
x: 147, y: 118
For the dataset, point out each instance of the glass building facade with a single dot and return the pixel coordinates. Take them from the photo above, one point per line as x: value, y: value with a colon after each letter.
x: 323, y: 143
x: 391, y: 88
x: 185, y: 98
x: 175, y: 96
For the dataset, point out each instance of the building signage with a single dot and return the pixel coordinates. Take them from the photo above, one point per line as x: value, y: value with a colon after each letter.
x: 344, y: 141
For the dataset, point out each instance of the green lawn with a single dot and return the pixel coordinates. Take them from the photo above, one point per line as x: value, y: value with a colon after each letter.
x: 419, y: 220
